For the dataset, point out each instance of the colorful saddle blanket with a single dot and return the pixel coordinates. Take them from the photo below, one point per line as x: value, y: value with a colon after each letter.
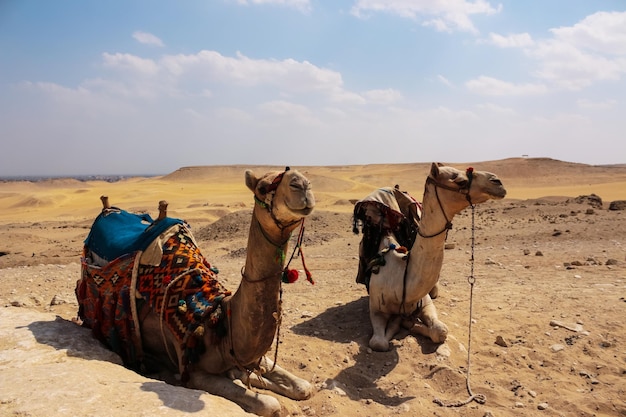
x: 183, y: 290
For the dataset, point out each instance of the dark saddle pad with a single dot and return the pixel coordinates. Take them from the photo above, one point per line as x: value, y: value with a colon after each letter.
x: 116, y: 232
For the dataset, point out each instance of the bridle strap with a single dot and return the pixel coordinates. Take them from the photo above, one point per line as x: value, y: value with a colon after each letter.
x: 269, y: 207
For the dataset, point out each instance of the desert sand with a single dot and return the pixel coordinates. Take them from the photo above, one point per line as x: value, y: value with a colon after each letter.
x: 548, y: 335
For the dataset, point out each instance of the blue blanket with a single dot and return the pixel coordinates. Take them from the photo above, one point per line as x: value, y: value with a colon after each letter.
x: 117, y: 232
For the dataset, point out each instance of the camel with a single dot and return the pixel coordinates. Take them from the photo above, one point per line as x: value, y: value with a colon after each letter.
x: 224, y: 347
x: 402, y: 275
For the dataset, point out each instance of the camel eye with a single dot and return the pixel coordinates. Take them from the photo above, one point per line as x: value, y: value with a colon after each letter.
x: 263, y: 190
x: 296, y: 185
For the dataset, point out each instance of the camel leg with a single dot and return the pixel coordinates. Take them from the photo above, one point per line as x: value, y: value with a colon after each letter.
x: 430, y: 325
x: 278, y: 380
x: 382, y: 332
x: 235, y: 391
x: 434, y: 293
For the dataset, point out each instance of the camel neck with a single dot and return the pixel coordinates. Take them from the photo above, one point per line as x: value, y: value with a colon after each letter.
x: 436, y: 217
x: 255, y: 306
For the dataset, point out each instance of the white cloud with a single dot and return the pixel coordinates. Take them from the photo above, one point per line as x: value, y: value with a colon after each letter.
x: 493, y: 87
x: 602, y: 32
x: 147, y: 38
x: 598, y: 105
x: 592, y: 50
x: 283, y: 111
x: 443, y: 80
x: 517, y: 40
x: 289, y: 74
x: 567, y: 66
x: 494, y: 108
x: 130, y: 62
x: 386, y: 96
x: 444, y: 16
x: 575, y: 57
x: 301, y: 5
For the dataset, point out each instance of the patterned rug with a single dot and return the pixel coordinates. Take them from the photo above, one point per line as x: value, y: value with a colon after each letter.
x: 183, y: 290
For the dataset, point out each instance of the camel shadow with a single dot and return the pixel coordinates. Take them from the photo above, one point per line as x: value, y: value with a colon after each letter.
x: 77, y: 342
x: 167, y: 395
x: 350, y: 323
x: 74, y: 339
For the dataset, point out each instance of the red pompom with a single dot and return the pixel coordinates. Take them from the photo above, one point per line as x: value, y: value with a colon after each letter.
x: 290, y: 276
x: 469, y: 170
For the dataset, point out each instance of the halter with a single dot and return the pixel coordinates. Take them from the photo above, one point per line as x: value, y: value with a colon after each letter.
x: 270, y: 207
x: 463, y: 190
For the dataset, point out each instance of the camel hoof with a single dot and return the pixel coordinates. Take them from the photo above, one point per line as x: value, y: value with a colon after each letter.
x: 379, y: 345
x: 438, y: 332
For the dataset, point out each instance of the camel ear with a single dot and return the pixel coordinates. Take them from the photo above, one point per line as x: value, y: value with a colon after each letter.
x: 434, y: 169
x: 251, y: 180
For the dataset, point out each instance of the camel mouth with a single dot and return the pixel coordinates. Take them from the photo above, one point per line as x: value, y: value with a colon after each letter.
x: 303, y: 211
x: 499, y: 195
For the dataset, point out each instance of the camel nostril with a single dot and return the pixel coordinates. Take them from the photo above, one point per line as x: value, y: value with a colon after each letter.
x: 496, y: 181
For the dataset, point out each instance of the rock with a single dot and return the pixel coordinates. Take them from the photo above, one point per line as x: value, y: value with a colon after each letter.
x: 443, y: 351
x: 538, y: 253
x: 23, y: 301
x: 449, y: 246
x: 617, y: 205
x: 576, y: 327
x: 542, y: 406
x: 557, y: 348
x: 501, y: 342
x: 56, y: 368
x: 612, y: 262
x: 591, y: 199
x: 63, y: 299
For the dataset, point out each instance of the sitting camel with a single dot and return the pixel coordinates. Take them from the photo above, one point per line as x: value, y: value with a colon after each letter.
x: 183, y: 318
x: 408, y: 251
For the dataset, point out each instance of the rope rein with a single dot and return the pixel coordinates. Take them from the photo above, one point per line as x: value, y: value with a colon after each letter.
x: 471, y: 279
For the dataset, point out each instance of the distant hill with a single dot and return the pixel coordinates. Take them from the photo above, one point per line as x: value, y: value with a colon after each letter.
x: 411, y: 176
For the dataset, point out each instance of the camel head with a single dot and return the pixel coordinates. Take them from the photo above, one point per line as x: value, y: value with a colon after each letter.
x: 283, y: 198
x: 475, y: 186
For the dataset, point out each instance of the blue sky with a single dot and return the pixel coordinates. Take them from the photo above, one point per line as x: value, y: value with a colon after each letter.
x: 145, y: 87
